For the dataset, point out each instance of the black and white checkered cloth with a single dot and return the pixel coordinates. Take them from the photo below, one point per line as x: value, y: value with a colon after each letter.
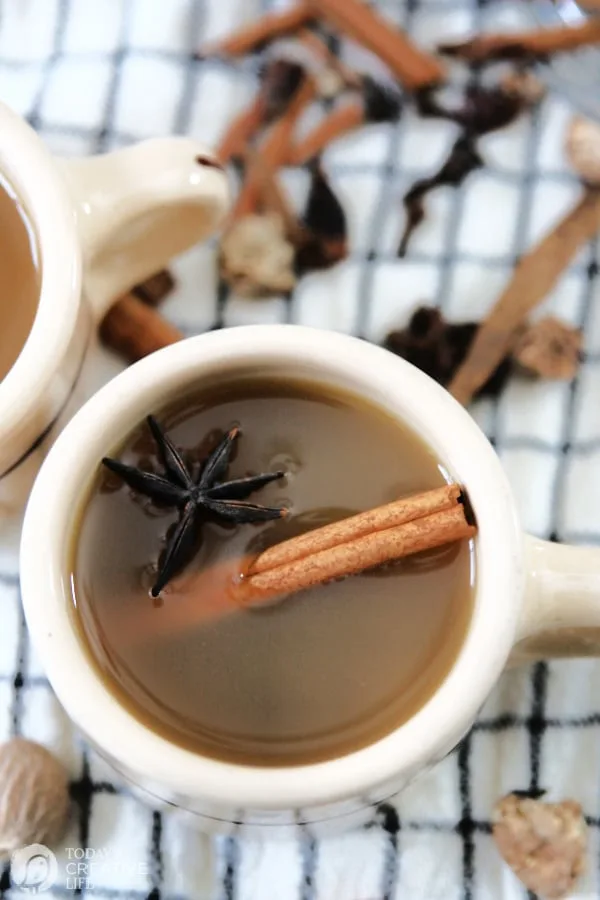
x: 91, y: 76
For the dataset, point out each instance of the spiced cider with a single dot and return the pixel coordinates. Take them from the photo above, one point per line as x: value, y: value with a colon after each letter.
x: 296, y: 679
x: 19, y: 277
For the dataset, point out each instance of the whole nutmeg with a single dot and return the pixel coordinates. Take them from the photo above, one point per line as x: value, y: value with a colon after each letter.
x: 583, y: 149
x: 34, y: 796
x: 256, y: 259
x: 548, y: 348
x: 544, y: 843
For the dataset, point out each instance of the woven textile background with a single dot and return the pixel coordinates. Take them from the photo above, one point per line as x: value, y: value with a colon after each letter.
x: 91, y: 76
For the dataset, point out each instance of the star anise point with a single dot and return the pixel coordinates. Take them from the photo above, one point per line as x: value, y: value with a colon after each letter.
x: 207, y: 495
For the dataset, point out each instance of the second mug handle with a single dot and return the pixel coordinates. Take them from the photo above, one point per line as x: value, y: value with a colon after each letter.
x: 561, y: 614
x: 139, y: 207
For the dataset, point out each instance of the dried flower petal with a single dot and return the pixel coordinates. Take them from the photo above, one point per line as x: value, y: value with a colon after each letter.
x: 543, y: 843
x: 549, y: 349
x: 256, y: 258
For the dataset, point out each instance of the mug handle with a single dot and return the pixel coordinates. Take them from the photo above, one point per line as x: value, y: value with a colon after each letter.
x: 561, y: 613
x: 140, y: 206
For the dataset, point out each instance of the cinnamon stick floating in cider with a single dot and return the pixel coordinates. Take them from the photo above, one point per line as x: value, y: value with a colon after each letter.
x: 358, y: 555
x: 344, y: 548
x: 523, y: 45
x: 389, y: 516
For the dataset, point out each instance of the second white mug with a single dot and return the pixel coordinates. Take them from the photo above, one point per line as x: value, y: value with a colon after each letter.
x: 101, y: 224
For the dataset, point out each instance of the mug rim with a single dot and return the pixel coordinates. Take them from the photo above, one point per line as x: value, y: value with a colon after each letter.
x: 405, y: 392
x: 33, y: 173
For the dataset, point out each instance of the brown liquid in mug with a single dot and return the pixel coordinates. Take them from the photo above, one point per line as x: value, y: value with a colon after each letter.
x: 312, y: 676
x: 19, y: 277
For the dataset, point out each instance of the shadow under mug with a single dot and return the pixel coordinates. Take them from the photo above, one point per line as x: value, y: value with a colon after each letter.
x: 531, y: 597
x: 102, y: 224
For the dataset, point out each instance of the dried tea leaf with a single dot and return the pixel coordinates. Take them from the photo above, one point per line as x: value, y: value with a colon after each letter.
x: 543, y: 843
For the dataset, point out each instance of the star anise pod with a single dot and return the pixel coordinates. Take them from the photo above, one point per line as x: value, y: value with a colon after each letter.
x: 198, y: 498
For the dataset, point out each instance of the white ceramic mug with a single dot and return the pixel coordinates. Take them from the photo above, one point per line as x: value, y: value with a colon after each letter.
x: 101, y: 224
x: 527, y: 590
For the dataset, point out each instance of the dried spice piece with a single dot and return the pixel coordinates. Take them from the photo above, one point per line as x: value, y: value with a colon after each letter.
x: 438, y: 348
x: 195, y: 496
x: 133, y: 329
x: 256, y: 258
x: 378, y: 103
x: 34, y: 796
x: 532, y: 280
x: 464, y: 158
x: 156, y: 288
x: 413, y: 68
x: 324, y: 241
x: 524, y: 45
x: 543, y: 843
x: 549, y: 349
x: 257, y: 34
x: 583, y: 148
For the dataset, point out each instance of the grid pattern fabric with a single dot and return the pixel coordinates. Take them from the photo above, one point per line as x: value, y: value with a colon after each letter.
x: 91, y: 77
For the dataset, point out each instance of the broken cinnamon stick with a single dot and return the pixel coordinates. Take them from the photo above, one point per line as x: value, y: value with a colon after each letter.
x: 524, y: 45
x: 532, y: 279
x: 414, y: 68
x: 279, y: 82
x: 328, y: 59
x: 378, y: 103
x: 274, y: 150
x: 241, y: 129
x: 255, y: 35
x: 133, y: 329
x: 338, y: 123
